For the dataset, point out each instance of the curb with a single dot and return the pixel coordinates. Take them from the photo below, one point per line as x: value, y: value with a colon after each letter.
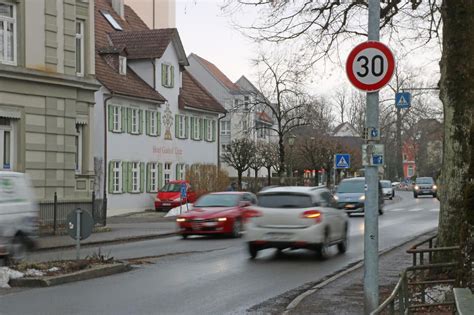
x: 358, y: 264
x: 81, y: 275
x: 112, y: 241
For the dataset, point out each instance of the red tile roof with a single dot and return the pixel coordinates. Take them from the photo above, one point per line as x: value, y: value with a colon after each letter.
x: 106, y: 65
x: 194, y: 95
x: 218, y: 74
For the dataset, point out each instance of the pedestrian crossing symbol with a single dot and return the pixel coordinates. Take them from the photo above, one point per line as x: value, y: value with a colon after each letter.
x: 403, y: 100
x: 343, y: 160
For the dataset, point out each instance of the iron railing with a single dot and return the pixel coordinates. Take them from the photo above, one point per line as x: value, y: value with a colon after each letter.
x: 53, y: 214
x: 420, y: 286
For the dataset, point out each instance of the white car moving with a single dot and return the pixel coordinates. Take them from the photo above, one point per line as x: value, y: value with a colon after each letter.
x: 387, y: 189
x: 296, y: 217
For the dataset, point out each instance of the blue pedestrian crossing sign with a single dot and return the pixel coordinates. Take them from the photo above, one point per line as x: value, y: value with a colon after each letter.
x: 403, y: 100
x: 183, y: 190
x: 343, y: 160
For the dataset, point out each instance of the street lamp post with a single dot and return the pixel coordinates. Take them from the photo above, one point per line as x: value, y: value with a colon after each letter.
x: 291, y: 142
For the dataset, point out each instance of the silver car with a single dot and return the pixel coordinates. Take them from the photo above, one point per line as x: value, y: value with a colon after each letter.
x: 387, y: 189
x: 296, y: 217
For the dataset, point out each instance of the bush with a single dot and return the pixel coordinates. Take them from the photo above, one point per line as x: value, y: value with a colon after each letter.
x: 206, y: 178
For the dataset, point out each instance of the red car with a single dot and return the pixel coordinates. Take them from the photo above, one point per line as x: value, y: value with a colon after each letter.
x: 168, y: 197
x: 216, y: 213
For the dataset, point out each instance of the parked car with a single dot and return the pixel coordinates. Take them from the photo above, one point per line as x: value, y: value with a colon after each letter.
x: 296, y: 217
x: 216, y: 213
x: 387, y: 189
x: 350, y: 195
x: 18, y: 216
x: 425, y: 186
x: 395, y: 185
x: 169, y: 196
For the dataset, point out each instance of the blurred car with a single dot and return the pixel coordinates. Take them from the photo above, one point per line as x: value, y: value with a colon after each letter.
x: 169, y: 196
x: 387, y: 189
x: 425, y: 186
x: 396, y: 185
x: 350, y: 195
x: 18, y: 216
x: 216, y: 213
x: 296, y: 217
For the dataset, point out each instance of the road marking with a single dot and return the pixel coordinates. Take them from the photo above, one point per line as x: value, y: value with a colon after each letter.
x: 434, y: 210
x: 396, y: 209
x: 415, y: 209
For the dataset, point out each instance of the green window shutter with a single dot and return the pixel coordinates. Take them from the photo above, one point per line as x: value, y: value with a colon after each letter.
x: 111, y: 177
x: 129, y: 120
x: 147, y: 122
x: 176, y: 126
x: 192, y: 128
x: 163, y: 74
x: 148, y: 177
x: 130, y: 177
x: 124, y: 177
x: 213, y: 137
x: 160, y: 176
x: 158, y: 124
x: 111, y: 118
x: 176, y: 174
x: 205, y: 123
x: 201, y: 124
x: 172, y: 76
x: 123, y: 126
x: 140, y: 121
x: 142, y: 177
x: 186, y: 127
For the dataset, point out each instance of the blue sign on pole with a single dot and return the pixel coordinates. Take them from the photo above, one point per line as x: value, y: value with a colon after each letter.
x: 343, y: 161
x: 403, y: 100
x: 183, y: 191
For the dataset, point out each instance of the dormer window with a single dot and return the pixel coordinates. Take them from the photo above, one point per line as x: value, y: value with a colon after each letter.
x: 122, y: 65
x: 111, y: 20
x: 167, y: 75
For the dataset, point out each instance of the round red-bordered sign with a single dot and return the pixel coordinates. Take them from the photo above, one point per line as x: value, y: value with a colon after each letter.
x: 370, y: 66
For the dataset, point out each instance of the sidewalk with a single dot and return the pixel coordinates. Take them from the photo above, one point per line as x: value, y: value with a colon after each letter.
x: 345, y: 295
x: 137, y: 226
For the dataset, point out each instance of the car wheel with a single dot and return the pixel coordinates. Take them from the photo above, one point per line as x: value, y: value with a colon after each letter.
x: 184, y: 236
x: 253, y: 250
x: 380, y: 211
x: 18, y: 250
x: 342, y: 246
x: 391, y: 198
x: 435, y: 195
x: 236, y: 228
x: 415, y: 195
x: 322, y: 252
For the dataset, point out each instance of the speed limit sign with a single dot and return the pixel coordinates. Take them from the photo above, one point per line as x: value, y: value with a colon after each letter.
x: 370, y: 66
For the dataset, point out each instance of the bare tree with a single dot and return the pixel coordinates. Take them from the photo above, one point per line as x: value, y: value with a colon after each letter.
x: 270, y: 159
x: 239, y: 155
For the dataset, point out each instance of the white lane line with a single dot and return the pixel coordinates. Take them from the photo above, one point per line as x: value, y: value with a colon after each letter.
x: 415, y: 209
x: 396, y: 209
x: 434, y: 209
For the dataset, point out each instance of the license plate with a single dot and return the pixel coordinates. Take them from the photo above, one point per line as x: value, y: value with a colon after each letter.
x: 350, y: 206
x: 166, y: 204
x: 278, y: 236
x: 196, y: 226
x: 210, y: 223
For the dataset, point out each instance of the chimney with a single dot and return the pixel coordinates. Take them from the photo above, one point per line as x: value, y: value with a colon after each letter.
x: 117, y: 5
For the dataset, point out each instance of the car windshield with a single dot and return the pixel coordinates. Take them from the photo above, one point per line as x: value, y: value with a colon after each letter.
x: 218, y: 200
x: 386, y: 184
x: 351, y: 186
x: 424, y: 180
x: 284, y: 200
x: 171, y: 187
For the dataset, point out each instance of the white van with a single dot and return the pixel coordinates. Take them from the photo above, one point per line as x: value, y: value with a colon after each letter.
x: 18, y: 215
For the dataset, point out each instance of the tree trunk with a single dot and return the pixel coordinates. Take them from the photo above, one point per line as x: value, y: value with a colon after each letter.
x: 399, y: 158
x: 281, y: 147
x: 457, y: 95
x: 239, y: 179
x: 269, y: 169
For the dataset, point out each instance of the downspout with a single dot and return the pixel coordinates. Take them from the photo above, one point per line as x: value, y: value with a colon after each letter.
x: 219, y: 141
x: 106, y: 129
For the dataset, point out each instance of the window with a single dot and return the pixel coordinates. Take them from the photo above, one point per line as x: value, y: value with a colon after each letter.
x: 6, y: 144
x: 410, y: 171
x: 135, y: 121
x: 78, y: 153
x: 122, y: 65
x: 236, y: 102
x: 261, y: 132
x: 135, y: 177
x: 180, y: 171
x: 116, y: 119
x: 153, y: 175
x: 7, y: 34
x: 167, y: 75
x: 208, y: 125
x: 195, y: 126
x: 246, y: 102
x: 181, y: 126
x: 167, y: 172
x: 112, y: 21
x: 80, y: 47
x: 225, y: 128
x: 152, y: 123
x: 225, y: 148
x: 116, y: 177
x: 245, y: 125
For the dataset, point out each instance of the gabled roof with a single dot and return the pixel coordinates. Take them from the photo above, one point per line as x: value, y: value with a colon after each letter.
x: 107, y: 55
x: 194, y: 95
x: 150, y: 44
x: 345, y: 130
x: 216, y: 73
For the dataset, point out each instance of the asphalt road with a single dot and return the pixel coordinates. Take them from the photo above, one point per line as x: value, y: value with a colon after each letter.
x: 211, y: 276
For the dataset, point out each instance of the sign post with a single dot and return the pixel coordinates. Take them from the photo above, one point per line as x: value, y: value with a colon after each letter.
x: 370, y: 67
x: 80, y: 224
x: 182, y: 196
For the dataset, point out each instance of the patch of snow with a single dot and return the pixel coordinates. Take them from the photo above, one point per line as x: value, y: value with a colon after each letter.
x: 438, y: 293
x: 54, y: 269
x: 34, y: 273
x: 176, y: 211
x: 6, y: 274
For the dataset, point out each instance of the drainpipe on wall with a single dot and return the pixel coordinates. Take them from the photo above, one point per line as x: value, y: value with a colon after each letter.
x: 106, y: 129
x: 219, y: 141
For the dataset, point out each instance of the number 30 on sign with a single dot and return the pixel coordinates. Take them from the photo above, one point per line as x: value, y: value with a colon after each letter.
x: 370, y: 66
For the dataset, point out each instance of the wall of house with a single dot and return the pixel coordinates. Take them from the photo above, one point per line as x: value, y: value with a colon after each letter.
x: 144, y: 69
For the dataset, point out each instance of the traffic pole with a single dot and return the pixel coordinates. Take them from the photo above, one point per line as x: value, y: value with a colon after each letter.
x: 371, y: 258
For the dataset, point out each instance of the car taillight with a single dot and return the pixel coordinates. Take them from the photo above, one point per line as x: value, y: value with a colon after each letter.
x: 313, y: 214
x: 251, y: 213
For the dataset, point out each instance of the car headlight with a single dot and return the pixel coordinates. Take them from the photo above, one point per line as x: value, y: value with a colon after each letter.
x: 362, y: 198
x: 336, y: 198
x: 417, y: 187
x: 181, y: 220
x: 157, y: 199
x: 221, y: 219
x: 435, y: 187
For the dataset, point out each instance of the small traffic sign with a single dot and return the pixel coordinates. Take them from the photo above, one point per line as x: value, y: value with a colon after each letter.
x: 370, y: 66
x: 373, y: 154
x: 183, y: 191
x: 372, y: 133
x: 403, y: 100
x: 343, y: 160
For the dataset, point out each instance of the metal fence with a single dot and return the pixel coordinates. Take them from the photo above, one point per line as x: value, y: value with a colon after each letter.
x: 53, y: 214
x: 419, y: 286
